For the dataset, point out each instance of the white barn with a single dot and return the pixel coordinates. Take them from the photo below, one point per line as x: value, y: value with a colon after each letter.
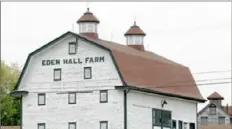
x: 79, y: 81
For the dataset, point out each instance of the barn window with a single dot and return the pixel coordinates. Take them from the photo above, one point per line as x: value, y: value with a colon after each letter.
x: 180, y: 123
x: 72, y: 125
x: 173, y: 124
x: 212, y: 109
x: 87, y: 72
x: 72, y: 48
x: 41, y: 99
x: 161, y: 117
x: 103, y: 124
x: 57, y: 74
x: 204, y: 120
x: 72, y: 98
x: 185, y: 125
x: 41, y: 125
x: 192, y: 126
x: 103, y: 96
x: 166, y: 118
x: 156, y: 117
x: 221, y: 120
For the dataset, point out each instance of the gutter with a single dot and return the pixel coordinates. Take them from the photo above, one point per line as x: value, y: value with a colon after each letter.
x: 160, y: 93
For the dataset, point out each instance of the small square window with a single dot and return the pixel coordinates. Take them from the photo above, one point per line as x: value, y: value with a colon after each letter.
x: 103, y: 96
x: 204, y: 120
x: 103, y: 124
x: 41, y: 125
x: 72, y: 48
x: 57, y: 74
x: 72, y: 98
x: 87, y: 72
x: 221, y: 120
x: 41, y: 99
x: 72, y: 125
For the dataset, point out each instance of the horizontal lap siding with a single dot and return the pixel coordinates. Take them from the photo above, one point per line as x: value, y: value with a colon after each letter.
x: 140, y: 109
x: 87, y: 112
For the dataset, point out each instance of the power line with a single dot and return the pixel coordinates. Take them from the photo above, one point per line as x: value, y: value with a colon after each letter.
x: 212, y: 72
x: 92, y: 90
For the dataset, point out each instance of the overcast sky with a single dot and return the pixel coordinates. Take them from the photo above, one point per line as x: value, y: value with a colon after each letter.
x: 197, y: 35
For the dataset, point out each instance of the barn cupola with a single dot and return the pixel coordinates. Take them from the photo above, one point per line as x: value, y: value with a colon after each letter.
x: 88, y: 24
x: 215, y: 98
x: 134, y: 37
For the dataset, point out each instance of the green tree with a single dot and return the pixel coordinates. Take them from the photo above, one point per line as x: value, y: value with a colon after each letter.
x: 9, y: 106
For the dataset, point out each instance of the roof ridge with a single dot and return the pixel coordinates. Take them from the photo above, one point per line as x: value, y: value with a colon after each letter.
x: 162, y: 58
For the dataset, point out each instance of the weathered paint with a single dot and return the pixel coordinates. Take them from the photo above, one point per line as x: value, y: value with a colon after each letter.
x: 213, y: 119
x: 88, y: 111
x: 38, y: 77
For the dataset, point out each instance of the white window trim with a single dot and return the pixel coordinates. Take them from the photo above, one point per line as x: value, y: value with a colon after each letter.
x: 54, y: 74
x: 101, y: 93
x: 69, y: 98
x: 44, y: 97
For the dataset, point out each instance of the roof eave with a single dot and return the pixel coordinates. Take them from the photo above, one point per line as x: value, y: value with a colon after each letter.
x: 128, y: 34
x: 160, y: 93
x: 81, y: 21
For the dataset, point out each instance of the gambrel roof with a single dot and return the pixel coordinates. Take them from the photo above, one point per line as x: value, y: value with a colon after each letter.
x: 143, y: 70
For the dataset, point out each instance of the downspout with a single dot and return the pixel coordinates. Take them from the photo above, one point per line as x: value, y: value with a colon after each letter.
x: 125, y: 108
x: 196, y: 126
x: 21, y: 112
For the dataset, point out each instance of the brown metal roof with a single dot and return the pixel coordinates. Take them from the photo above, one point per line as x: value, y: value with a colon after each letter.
x: 215, y: 95
x: 148, y: 70
x: 135, y: 30
x: 143, y: 70
x: 88, y: 17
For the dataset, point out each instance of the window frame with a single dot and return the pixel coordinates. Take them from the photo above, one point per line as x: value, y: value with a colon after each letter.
x: 180, y: 124
x: 161, y: 121
x: 100, y: 93
x: 192, y: 126
x: 223, y: 118
x: 39, y: 124
x: 90, y: 68
x: 174, y: 121
x: 105, y: 122
x: 202, y: 118
x: 41, y: 94
x: 75, y: 101
x: 212, y: 107
x: 69, y: 48
x: 185, y: 125
x: 69, y: 123
x: 54, y: 71
x: 170, y: 119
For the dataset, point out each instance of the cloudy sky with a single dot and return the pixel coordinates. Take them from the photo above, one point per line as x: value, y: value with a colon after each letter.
x: 197, y: 35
